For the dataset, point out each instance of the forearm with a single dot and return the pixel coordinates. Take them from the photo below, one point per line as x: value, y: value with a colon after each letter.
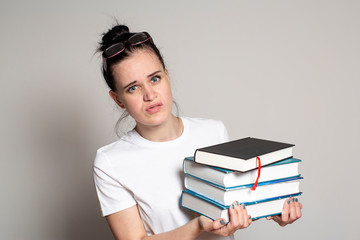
x: 127, y: 224
x: 189, y: 231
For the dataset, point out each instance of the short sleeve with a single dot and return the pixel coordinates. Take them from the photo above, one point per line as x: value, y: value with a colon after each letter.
x: 113, y: 197
x: 224, y: 132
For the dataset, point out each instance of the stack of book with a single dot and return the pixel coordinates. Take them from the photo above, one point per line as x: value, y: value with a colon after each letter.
x: 258, y: 173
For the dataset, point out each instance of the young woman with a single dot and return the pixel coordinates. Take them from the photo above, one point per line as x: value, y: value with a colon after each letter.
x: 139, y: 177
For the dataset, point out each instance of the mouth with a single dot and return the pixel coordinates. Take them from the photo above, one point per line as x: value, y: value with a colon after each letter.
x: 154, y: 108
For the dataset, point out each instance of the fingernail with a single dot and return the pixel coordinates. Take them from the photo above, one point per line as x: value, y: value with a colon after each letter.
x: 249, y: 217
x: 296, y: 200
x: 237, y: 203
x: 293, y: 200
x: 222, y: 222
x: 288, y: 201
x: 243, y: 206
x: 232, y: 206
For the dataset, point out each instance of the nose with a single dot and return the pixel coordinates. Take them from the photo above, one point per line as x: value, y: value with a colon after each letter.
x: 149, y: 94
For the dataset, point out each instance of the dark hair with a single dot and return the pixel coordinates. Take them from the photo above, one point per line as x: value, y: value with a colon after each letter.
x: 120, y: 34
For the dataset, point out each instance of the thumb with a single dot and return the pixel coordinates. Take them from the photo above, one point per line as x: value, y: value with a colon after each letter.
x: 219, y: 223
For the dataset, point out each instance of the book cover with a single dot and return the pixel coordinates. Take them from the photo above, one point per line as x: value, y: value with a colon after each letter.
x: 241, y: 154
x: 228, y: 178
x: 228, y: 195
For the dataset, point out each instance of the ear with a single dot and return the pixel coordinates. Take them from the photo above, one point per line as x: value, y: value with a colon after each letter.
x: 113, y: 95
x: 167, y: 72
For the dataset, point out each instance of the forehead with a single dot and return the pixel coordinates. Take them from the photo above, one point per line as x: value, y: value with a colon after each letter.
x: 136, y: 67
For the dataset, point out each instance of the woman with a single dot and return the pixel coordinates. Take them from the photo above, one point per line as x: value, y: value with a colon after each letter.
x: 139, y: 177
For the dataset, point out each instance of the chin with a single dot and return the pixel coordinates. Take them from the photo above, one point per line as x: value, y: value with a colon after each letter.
x: 156, y: 120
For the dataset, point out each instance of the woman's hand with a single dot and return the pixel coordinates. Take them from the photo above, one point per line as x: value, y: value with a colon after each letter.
x: 238, y: 216
x: 290, y: 213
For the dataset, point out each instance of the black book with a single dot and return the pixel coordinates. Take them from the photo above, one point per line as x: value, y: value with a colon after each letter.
x: 242, y: 154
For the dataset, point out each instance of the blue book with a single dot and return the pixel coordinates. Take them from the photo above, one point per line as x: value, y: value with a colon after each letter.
x: 215, y: 210
x: 228, y: 195
x: 229, y: 178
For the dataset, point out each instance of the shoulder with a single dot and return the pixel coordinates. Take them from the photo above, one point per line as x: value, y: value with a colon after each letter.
x: 206, y: 128
x: 114, y: 150
x: 204, y: 123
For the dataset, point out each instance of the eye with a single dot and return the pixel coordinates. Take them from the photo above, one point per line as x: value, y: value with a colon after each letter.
x: 132, y: 89
x: 155, y: 79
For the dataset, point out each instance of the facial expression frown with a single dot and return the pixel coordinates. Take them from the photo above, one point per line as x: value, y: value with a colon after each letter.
x: 143, y: 88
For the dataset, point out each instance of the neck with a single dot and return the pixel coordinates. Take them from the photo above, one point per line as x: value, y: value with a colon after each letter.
x: 167, y: 131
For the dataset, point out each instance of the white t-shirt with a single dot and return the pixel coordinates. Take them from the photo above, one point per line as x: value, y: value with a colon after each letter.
x: 134, y: 170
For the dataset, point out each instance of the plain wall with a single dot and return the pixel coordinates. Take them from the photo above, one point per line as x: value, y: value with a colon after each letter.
x: 281, y: 70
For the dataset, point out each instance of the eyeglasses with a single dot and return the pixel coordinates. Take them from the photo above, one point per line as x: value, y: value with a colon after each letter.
x: 113, y: 50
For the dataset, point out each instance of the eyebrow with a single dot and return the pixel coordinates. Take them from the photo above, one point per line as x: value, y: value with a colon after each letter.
x: 150, y: 75
x: 129, y: 84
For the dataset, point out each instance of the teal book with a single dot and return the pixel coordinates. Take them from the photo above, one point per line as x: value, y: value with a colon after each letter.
x: 215, y: 210
x: 229, y: 178
x: 228, y: 195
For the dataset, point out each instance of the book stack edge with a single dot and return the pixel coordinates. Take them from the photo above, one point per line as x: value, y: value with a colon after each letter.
x: 211, y: 188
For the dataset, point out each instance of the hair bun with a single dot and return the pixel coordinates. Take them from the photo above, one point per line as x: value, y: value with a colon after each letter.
x: 117, y: 34
x: 119, y: 31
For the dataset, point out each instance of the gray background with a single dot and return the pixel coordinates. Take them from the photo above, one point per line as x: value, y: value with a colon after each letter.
x: 281, y: 70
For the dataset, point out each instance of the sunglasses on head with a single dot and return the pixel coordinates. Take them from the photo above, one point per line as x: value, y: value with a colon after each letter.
x: 115, y: 49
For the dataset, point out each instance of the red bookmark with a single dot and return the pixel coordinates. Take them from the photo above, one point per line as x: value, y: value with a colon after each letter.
x: 258, y: 176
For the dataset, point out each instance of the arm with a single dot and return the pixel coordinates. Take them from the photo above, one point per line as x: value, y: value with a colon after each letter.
x: 291, y: 212
x: 127, y: 224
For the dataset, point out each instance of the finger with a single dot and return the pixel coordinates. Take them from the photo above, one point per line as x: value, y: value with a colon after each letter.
x: 285, y: 211
x: 292, y: 211
x: 249, y: 221
x: 298, y: 207
x: 277, y: 218
x: 219, y: 223
x: 271, y: 217
x: 234, y: 214
x: 230, y: 227
x: 246, y: 217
